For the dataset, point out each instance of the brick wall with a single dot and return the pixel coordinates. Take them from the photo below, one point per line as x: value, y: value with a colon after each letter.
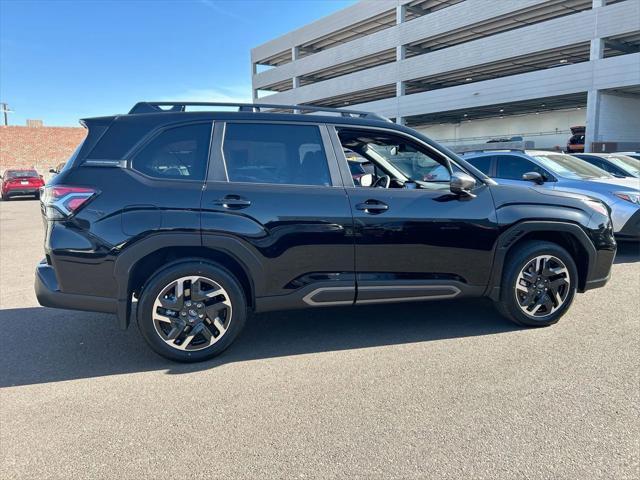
x: 39, y: 147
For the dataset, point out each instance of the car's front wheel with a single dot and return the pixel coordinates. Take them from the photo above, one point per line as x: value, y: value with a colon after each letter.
x: 191, y: 311
x: 538, y: 285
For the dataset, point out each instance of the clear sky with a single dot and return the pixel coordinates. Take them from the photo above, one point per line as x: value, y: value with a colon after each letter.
x: 62, y: 60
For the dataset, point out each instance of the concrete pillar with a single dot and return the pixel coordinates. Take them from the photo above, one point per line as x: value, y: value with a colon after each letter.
x: 592, y: 127
x: 400, y: 14
x: 593, y: 118
x: 401, y: 53
x: 295, y: 53
x: 596, y: 49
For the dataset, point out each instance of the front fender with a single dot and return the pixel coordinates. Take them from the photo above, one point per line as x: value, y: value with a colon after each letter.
x: 514, y: 233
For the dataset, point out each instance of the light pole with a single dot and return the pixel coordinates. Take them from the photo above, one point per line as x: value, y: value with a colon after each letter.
x: 5, y: 109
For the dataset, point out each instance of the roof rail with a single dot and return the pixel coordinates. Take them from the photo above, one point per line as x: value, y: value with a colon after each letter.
x: 155, y: 107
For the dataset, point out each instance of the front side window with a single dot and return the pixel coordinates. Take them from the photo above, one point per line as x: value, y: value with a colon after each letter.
x: 413, y: 163
x: 176, y: 153
x: 512, y: 167
x: 275, y: 153
x: 395, y: 160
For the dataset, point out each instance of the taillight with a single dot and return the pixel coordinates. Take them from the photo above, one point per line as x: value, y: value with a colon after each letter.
x: 61, y: 201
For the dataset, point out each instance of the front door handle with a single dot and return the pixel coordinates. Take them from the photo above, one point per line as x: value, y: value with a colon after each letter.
x: 373, y: 207
x: 233, y: 202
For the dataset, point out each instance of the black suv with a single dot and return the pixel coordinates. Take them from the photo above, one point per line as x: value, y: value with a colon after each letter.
x: 189, y: 220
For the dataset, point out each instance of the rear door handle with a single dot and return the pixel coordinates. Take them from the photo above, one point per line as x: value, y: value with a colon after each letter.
x: 233, y: 202
x: 373, y: 207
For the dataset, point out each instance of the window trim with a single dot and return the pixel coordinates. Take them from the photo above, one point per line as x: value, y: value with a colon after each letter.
x: 220, y: 160
x: 151, y: 136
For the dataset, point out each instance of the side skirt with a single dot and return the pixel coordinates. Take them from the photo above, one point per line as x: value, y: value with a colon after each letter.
x: 329, y: 294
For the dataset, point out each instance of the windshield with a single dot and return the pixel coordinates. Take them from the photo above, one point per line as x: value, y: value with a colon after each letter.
x: 626, y: 163
x: 20, y: 174
x: 570, y: 167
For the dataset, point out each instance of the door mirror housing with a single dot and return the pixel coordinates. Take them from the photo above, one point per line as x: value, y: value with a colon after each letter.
x: 462, y: 184
x: 534, y: 177
x: 366, y: 180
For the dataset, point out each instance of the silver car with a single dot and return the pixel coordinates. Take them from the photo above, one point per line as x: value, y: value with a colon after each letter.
x: 564, y: 172
x: 616, y: 164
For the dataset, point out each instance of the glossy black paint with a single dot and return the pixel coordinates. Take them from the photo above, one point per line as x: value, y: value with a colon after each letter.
x: 286, y: 241
x: 427, y: 232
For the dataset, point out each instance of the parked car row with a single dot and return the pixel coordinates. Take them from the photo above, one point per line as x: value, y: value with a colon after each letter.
x: 580, y: 173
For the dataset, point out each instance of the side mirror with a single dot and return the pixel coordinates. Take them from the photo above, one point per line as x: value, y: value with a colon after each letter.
x: 534, y: 177
x: 462, y: 184
x: 366, y: 180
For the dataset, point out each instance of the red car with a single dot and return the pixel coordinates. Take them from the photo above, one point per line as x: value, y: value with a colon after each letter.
x: 17, y: 183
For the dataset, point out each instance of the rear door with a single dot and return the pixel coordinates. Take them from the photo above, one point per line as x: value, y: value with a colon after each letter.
x: 275, y: 188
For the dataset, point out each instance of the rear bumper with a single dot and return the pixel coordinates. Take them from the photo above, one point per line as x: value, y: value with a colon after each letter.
x: 18, y: 192
x: 49, y: 295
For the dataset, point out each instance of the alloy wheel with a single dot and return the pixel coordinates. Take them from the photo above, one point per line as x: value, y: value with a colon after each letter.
x: 192, y: 313
x: 542, y: 286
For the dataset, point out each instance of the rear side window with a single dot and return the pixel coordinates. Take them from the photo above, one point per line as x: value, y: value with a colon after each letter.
x: 176, y: 153
x: 481, y: 163
x: 275, y: 153
x: 511, y: 167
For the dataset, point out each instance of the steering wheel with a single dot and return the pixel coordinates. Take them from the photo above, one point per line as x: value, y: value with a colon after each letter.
x: 382, y: 182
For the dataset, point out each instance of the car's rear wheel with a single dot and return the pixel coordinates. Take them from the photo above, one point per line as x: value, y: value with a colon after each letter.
x: 191, y: 311
x: 539, y: 283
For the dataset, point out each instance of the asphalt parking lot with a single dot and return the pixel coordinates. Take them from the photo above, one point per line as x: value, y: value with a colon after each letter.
x: 439, y: 390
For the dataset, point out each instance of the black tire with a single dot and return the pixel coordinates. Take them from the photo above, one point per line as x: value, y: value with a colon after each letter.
x: 164, y: 277
x: 517, y: 259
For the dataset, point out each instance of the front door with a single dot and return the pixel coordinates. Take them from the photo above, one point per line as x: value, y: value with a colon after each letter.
x: 276, y: 188
x: 414, y: 238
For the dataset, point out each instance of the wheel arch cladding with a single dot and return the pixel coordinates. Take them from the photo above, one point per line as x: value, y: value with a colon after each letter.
x: 134, y: 266
x: 569, y: 236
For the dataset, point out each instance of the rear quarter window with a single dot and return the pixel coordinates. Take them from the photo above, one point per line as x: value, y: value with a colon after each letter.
x: 178, y: 153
